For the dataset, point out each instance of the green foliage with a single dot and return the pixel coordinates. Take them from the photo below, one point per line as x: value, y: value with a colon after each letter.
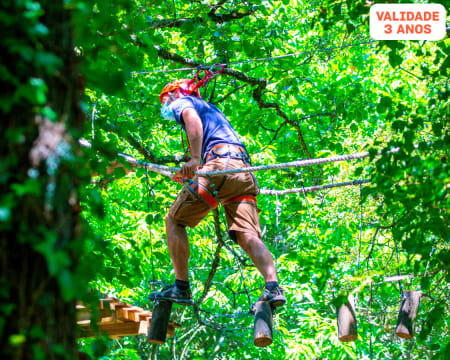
x: 368, y: 97
x: 372, y: 97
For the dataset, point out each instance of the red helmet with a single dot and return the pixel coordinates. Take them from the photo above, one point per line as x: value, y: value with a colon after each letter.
x: 186, y: 86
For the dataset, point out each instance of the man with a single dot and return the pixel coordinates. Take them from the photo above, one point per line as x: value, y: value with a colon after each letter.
x: 215, y: 144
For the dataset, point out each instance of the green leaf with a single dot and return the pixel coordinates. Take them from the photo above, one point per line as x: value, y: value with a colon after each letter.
x: 384, y: 104
x: 398, y: 125
x: 119, y: 172
x: 17, y: 339
x: 187, y: 26
x: 395, y: 59
x: 149, y: 219
x: 29, y: 187
x: 140, y: 172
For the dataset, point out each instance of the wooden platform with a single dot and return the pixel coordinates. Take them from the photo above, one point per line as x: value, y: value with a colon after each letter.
x: 117, y: 319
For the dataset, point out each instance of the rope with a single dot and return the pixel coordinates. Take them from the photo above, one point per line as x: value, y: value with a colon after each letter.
x: 292, y: 164
x: 277, y: 235
x: 150, y: 192
x: 167, y: 170
x: 311, y: 188
x: 302, y: 190
x: 360, y: 225
x: 400, y: 285
x: 260, y: 59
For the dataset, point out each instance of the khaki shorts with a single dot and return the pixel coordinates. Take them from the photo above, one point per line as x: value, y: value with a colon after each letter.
x: 189, y: 210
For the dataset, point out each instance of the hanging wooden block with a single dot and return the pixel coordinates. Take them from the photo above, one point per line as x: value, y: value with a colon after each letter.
x: 408, y: 311
x: 262, y: 333
x: 160, y: 322
x: 346, y: 320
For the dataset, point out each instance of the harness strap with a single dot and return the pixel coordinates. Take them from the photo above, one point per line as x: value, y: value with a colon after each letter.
x: 243, y: 199
x: 203, y: 194
x: 224, y: 151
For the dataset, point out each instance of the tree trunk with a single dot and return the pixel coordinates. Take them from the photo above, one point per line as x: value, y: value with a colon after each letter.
x: 160, y: 322
x: 407, y: 314
x: 346, y: 320
x: 39, y: 177
x: 262, y: 332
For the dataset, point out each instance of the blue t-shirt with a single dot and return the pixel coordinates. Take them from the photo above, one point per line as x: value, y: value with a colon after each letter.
x: 216, y: 128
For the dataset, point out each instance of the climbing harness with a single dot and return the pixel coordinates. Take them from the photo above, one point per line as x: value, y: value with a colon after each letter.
x: 247, y: 199
x: 228, y: 151
x: 208, y: 74
x: 210, y: 198
x: 203, y: 194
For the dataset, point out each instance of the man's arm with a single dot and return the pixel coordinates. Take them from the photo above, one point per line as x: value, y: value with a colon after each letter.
x: 194, y: 130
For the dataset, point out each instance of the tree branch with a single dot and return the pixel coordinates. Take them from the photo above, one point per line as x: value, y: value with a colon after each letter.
x: 212, y: 15
x: 146, y: 153
x: 222, y: 99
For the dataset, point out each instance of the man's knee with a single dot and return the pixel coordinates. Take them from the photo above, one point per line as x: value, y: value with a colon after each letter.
x: 246, y: 240
x: 171, y: 222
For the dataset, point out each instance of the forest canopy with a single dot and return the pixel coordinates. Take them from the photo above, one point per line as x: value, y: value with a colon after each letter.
x: 301, y: 80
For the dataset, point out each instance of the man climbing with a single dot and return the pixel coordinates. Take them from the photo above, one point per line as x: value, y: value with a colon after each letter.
x: 214, y: 144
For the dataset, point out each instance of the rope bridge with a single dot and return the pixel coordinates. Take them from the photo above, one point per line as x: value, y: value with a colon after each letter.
x: 169, y: 171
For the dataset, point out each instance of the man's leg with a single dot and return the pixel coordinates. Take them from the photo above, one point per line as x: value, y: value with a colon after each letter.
x: 178, y: 244
x: 259, y: 253
x: 262, y: 259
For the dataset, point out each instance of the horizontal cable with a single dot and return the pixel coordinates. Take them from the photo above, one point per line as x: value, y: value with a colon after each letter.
x: 292, y: 164
x: 260, y: 59
x: 169, y: 171
x: 311, y: 188
x: 166, y: 170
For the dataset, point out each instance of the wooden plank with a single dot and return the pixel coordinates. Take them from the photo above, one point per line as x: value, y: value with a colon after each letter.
x: 145, y: 315
x: 117, y: 319
x: 115, y: 329
x: 131, y: 313
x: 87, y: 314
x: 108, y: 320
x: 143, y: 327
x: 118, y: 310
x: 118, y: 330
x: 83, y: 316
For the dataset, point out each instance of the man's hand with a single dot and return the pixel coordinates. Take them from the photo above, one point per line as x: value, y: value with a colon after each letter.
x: 178, y: 178
x: 187, y: 170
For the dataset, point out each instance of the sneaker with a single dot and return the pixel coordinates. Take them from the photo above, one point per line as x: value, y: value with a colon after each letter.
x: 275, y: 297
x: 173, y: 294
